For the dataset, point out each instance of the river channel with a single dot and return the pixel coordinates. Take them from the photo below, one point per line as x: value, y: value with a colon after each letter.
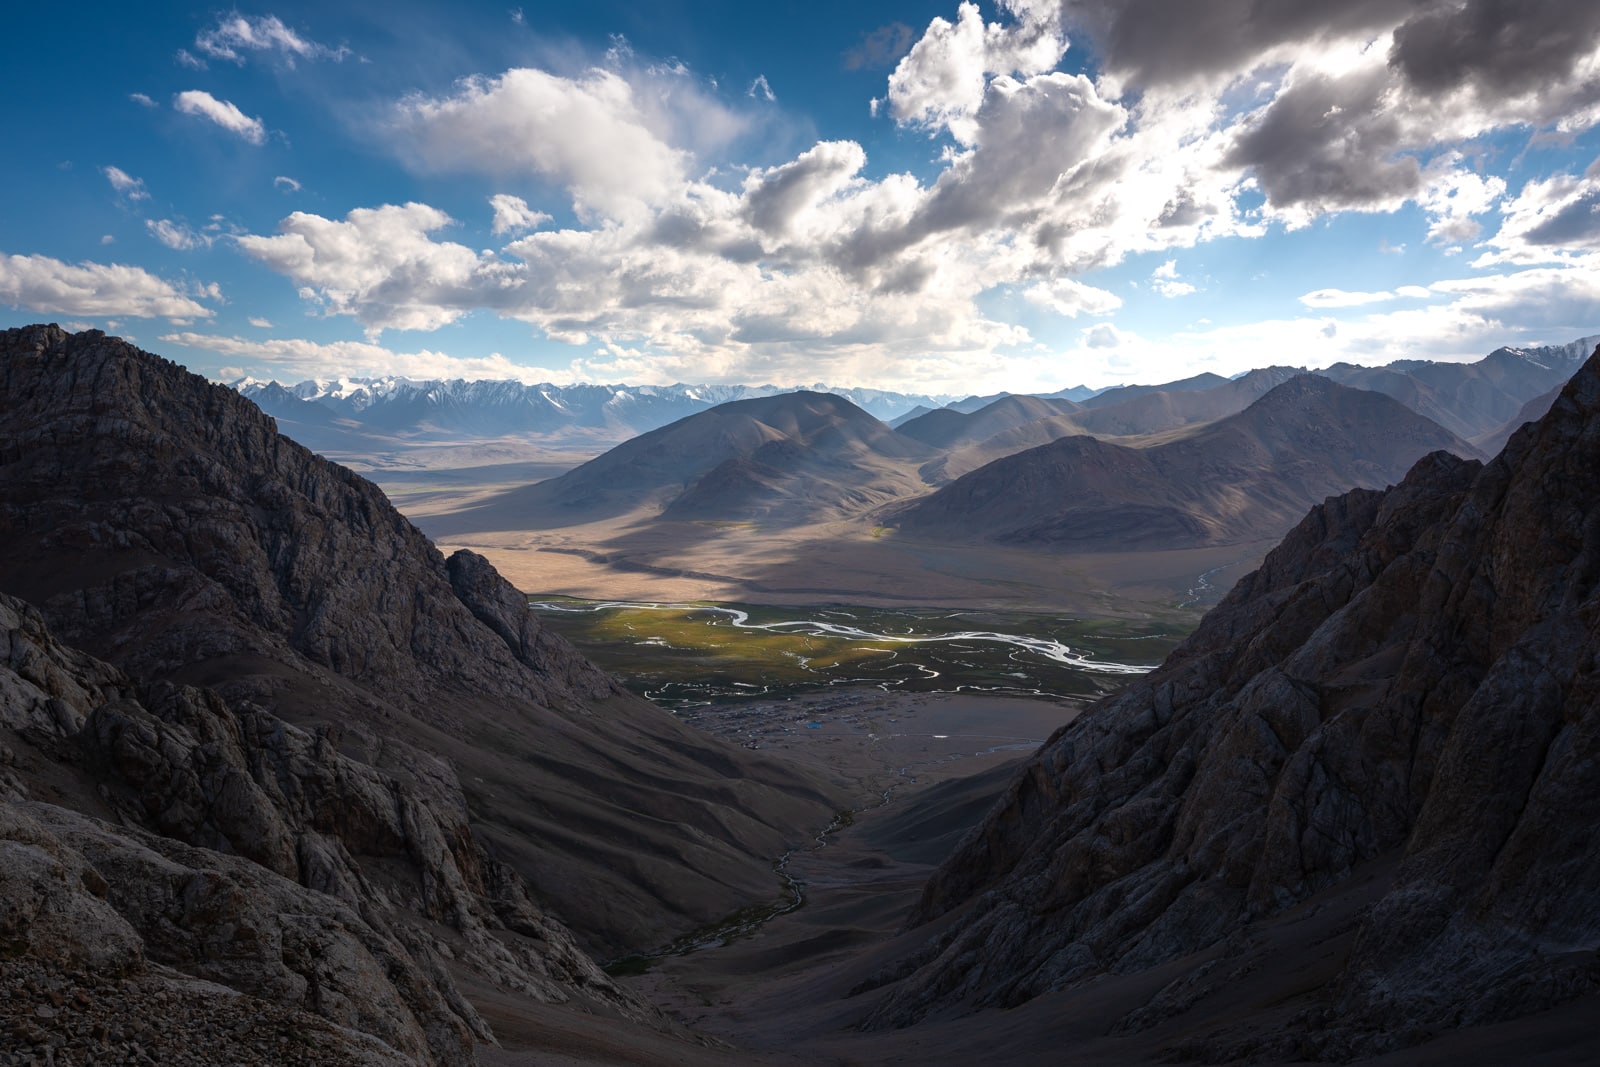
x: 688, y: 655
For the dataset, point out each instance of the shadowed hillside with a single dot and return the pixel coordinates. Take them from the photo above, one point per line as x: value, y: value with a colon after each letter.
x: 1247, y: 476
x: 1400, y: 710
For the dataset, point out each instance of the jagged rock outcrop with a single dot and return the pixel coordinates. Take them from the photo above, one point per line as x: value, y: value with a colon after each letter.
x: 1409, y: 682
x: 245, y: 671
x: 248, y: 875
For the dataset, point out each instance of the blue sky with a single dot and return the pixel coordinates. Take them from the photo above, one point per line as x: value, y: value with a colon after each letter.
x: 932, y: 197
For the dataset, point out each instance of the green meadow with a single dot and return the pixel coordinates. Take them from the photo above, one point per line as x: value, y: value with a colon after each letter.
x: 686, y: 655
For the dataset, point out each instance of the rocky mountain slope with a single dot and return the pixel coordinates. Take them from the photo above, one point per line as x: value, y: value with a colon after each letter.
x: 1247, y: 477
x: 949, y: 428
x: 1470, y: 399
x: 794, y: 458
x: 1405, y: 697
x: 295, y: 698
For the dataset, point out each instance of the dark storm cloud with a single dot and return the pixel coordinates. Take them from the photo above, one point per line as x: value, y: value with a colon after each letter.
x: 1326, y: 143
x: 1498, y: 46
x: 1166, y: 42
x: 1576, y: 225
x: 881, y: 48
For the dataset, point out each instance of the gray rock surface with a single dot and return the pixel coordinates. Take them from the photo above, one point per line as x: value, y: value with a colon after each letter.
x: 259, y: 739
x: 162, y: 524
x: 1408, y: 688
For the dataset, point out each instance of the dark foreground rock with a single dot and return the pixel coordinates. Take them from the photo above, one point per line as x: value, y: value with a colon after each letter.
x: 1406, y: 691
x: 259, y: 740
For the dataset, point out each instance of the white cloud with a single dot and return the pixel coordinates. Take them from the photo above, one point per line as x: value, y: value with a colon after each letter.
x: 1550, y: 220
x: 294, y: 359
x: 126, y: 185
x: 1044, y: 176
x: 141, y: 99
x: 286, y: 184
x: 1164, y: 280
x: 380, y: 265
x: 513, y: 215
x: 236, y: 34
x: 577, y: 132
x: 259, y: 323
x: 1341, y: 298
x: 941, y: 81
x: 224, y: 113
x: 175, y: 235
x: 43, y: 284
x: 1066, y: 296
x: 107, y: 239
x: 760, y: 90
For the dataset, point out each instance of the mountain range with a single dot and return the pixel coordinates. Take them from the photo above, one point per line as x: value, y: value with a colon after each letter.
x: 1235, y: 479
x: 281, y: 784
x: 324, y: 414
x: 1352, y: 813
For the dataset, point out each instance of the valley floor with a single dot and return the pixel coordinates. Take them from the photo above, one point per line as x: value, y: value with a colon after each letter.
x: 926, y: 767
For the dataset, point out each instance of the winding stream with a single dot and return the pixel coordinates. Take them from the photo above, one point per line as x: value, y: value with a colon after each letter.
x: 684, y: 655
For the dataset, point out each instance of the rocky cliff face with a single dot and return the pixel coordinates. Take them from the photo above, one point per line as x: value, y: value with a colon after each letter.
x: 1406, y: 691
x: 259, y: 722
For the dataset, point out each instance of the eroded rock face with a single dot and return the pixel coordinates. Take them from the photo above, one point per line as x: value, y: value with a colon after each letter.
x: 163, y: 525
x: 254, y: 728
x: 1409, y: 677
x: 273, y: 865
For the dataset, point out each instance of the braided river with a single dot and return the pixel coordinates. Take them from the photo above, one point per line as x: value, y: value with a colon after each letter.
x: 692, y: 654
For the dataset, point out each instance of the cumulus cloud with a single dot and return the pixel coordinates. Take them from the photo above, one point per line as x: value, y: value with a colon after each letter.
x: 234, y: 35
x: 1203, y: 121
x: 941, y: 82
x: 49, y: 286
x: 1066, y: 296
x: 571, y: 131
x: 1550, y: 220
x: 259, y: 323
x: 381, y: 266
x: 224, y: 113
x: 513, y: 215
x: 125, y: 185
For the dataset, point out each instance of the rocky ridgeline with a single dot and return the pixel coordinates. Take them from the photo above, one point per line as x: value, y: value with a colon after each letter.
x: 1406, y: 690
x: 259, y: 740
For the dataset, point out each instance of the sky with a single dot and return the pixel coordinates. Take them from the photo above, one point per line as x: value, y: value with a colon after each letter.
x: 932, y: 197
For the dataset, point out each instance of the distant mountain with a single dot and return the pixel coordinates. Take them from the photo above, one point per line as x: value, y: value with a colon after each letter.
x: 1242, y: 478
x: 1161, y: 409
x: 970, y: 404
x: 1354, y: 813
x: 1471, y: 399
x: 1124, y: 393
x: 1491, y: 443
x: 915, y: 413
x: 784, y: 459
x: 951, y: 428
x: 402, y: 406
x: 1076, y: 393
